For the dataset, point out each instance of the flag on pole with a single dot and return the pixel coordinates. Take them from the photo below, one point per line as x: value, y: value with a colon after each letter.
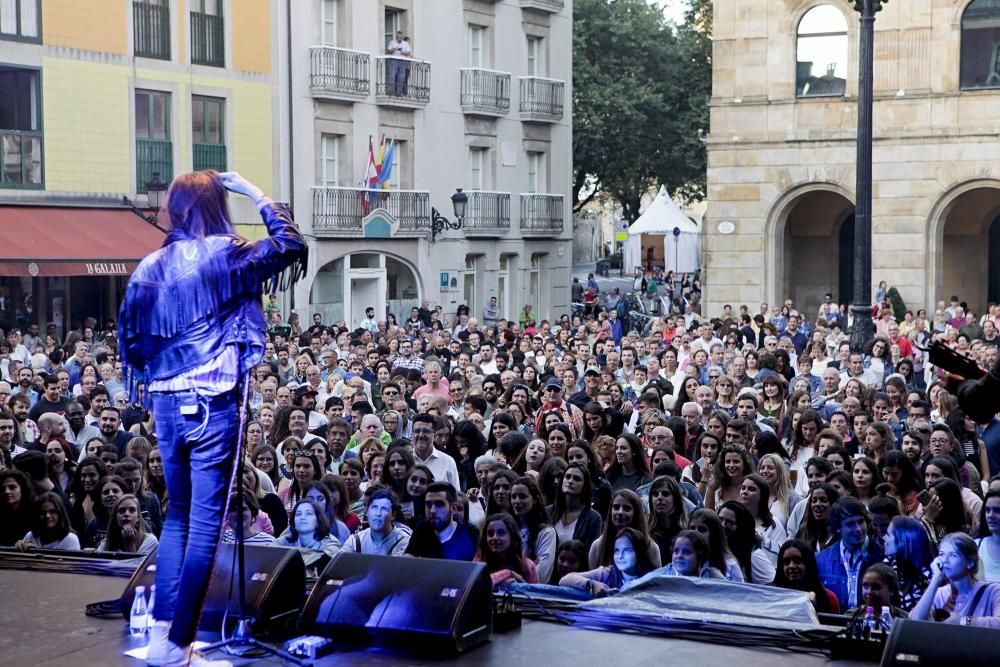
x: 371, y: 175
x: 373, y: 181
x: 385, y: 172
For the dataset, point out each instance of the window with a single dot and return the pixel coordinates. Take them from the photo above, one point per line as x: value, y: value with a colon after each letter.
x: 330, y: 160
x: 535, y: 67
x: 980, y: 65
x: 208, y: 133
x: 154, y: 152
x: 19, y: 20
x: 208, y: 45
x: 151, y: 25
x: 20, y: 128
x: 476, y: 41
x: 821, y: 53
x: 536, y: 172
x: 477, y: 168
x: 393, y: 23
x: 329, y: 22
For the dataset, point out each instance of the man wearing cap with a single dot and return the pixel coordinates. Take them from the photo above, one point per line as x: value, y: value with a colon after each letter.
x: 552, y: 399
x: 591, y: 387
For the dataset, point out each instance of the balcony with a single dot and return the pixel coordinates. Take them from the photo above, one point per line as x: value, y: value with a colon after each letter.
x: 208, y: 46
x: 541, y: 99
x: 402, y: 82
x: 209, y: 156
x: 541, y: 214
x: 487, y: 214
x: 338, y: 212
x: 151, y: 25
x: 153, y: 155
x: 485, y: 92
x: 339, y: 74
x: 548, y: 6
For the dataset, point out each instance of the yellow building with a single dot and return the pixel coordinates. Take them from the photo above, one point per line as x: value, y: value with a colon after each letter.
x: 100, y: 98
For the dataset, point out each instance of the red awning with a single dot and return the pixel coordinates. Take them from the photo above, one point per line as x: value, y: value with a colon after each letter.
x: 45, y: 241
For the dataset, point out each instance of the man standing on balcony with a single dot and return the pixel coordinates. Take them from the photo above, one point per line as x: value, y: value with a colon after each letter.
x: 396, y: 67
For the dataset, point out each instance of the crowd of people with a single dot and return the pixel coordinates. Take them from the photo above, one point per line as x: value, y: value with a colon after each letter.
x: 753, y: 448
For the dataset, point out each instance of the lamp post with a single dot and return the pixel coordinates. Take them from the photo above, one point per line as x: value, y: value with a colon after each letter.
x: 155, y: 191
x: 439, y: 223
x: 863, y: 329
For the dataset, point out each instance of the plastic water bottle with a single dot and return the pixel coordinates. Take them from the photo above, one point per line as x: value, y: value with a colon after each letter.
x: 886, y: 619
x: 138, y: 617
x: 870, y: 623
x: 149, y: 607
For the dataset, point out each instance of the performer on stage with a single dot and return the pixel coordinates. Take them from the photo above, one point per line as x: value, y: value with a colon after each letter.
x: 190, y: 328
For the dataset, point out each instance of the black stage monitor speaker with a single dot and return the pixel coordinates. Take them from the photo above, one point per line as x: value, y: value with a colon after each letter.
x: 424, y: 604
x: 276, y: 588
x: 922, y: 643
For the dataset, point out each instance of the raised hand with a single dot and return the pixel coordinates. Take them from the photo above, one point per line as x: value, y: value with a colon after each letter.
x: 233, y: 182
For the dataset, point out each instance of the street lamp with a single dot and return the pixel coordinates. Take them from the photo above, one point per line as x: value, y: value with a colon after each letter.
x: 863, y: 329
x: 439, y: 223
x: 155, y: 190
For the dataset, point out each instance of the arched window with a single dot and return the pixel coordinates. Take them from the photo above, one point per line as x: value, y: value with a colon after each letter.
x: 821, y: 53
x: 980, y: 66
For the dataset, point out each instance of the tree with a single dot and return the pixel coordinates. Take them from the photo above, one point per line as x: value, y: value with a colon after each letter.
x: 640, y: 100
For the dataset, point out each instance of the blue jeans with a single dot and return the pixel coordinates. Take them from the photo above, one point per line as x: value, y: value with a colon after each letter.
x: 197, y: 439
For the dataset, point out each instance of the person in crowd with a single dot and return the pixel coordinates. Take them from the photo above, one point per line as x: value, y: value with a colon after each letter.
x: 538, y: 537
x: 126, y: 530
x: 347, y: 522
x: 581, y: 452
x: 909, y: 552
x: 50, y: 528
x: 731, y: 467
x: 252, y: 534
x: 690, y: 558
x: 571, y: 513
x: 626, y: 512
x: 309, y: 529
x: 797, y: 570
x: 879, y: 591
x: 412, y: 503
x: 955, y: 594
x: 383, y: 536
x: 571, y: 557
x: 755, y: 495
x: 667, y: 517
x: 842, y: 563
x: 989, y: 537
x: 706, y: 523
x: 443, y: 535
x: 500, y: 549
x: 745, y: 543
x: 630, y: 561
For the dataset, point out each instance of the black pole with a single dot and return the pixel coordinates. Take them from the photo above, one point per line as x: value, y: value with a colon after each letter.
x: 863, y: 329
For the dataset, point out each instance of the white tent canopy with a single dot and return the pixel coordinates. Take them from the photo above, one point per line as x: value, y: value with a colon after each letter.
x: 663, y: 216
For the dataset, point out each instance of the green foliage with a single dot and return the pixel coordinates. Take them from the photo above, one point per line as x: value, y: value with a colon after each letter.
x: 640, y: 98
x: 898, y: 306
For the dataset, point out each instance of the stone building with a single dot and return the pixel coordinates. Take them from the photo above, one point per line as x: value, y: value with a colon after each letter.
x: 781, y: 151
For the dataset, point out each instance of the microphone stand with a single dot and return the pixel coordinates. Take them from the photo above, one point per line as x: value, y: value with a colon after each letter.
x: 242, y: 642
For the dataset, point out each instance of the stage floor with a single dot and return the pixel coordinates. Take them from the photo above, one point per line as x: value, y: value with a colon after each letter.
x: 42, y: 624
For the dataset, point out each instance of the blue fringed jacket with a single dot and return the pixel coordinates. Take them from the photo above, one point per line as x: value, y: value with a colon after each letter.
x: 192, y: 298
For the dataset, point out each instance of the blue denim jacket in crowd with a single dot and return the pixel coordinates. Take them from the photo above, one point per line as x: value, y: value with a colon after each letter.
x: 192, y: 298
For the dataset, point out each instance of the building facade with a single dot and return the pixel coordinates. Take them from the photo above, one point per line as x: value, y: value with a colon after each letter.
x: 781, y: 152
x: 100, y: 98
x: 482, y: 103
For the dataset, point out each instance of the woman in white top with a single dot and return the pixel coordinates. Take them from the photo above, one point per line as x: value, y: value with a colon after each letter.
x: 50, y: 526
x: 755, y: 495
x: 126, y: 529
x: 989, y: 543
x: 781, y: 498
x: 538, y: 537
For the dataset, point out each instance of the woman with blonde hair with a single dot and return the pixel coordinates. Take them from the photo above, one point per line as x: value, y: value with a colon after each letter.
x: 782, y: 498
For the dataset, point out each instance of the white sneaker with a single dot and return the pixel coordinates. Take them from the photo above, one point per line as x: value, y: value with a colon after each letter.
x: 178, y: 656
x: 156, y: 651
